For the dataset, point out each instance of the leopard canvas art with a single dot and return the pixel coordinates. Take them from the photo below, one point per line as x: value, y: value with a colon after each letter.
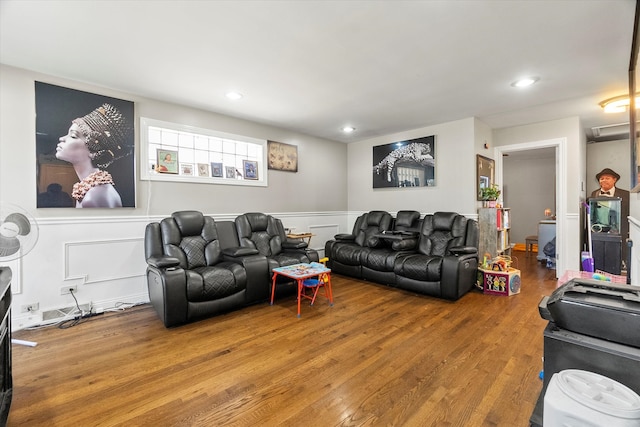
x: 404, y: 164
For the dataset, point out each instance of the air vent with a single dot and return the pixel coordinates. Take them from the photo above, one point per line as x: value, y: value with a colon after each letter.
x: 608, y: 131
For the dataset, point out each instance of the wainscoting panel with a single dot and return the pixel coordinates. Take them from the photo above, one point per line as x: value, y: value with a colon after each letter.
x: 105, y: 260
x: 322, y: 233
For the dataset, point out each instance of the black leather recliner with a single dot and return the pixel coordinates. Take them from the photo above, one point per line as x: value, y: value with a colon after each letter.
x: 446, y: 259
x: 196, y: 268
x: 436, y: 255
x: 265, y: 234
x: 346, y: 251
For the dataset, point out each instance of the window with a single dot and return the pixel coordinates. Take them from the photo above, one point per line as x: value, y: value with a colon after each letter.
x: 174, y: 152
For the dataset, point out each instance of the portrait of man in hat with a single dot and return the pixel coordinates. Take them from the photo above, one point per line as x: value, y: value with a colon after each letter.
x: 608, y: 178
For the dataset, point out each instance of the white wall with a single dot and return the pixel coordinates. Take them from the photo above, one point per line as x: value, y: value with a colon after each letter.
x: 101, y: 250
x: 455, y: 173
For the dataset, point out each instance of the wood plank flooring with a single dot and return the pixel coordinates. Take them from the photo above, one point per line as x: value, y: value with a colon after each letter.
x: 378, y: 357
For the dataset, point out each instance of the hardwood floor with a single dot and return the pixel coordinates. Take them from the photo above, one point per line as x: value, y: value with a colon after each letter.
x: 379, y: 356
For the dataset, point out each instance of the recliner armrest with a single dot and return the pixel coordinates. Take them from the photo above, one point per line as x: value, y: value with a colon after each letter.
x: 239, y: 252
x: 344, y: 237
x: 463, y: 250
x: 294, y: 244
x: 163, y: 262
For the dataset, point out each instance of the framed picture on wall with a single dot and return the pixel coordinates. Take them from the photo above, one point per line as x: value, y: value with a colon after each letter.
x: 110, y: 124
x: 485, y: 172
x: 282, y: 157
x: 167, y: 161
x: 216, y: 169
x: 401, y: 164
x: 203, y: 169
x: 186, y: 169
x: 230, y: 172
x: 250, y: 169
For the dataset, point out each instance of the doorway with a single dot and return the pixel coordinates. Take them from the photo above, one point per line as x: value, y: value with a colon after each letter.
x: 559, y: 157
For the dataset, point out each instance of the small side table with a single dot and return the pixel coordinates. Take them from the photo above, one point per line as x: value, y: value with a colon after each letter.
x: 300, y: 272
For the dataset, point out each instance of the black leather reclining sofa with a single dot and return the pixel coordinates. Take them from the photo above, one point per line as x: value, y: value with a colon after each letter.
x: 436, y: 255
x: 198, y: 267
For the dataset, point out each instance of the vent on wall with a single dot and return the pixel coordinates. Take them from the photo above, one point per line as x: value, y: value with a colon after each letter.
x: 610, y: 132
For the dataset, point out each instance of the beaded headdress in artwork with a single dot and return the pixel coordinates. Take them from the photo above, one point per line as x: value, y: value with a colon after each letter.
x: 105, y: 130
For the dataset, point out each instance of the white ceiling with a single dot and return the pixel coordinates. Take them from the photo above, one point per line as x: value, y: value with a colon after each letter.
x: 314, y: 66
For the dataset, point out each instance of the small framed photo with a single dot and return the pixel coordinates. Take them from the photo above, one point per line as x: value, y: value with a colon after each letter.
x: 250, y: 169
x: 186, y: 169
x: 203, y: 169
x: 216, y: 169
x: 167, y: 161
x: 231, y: 172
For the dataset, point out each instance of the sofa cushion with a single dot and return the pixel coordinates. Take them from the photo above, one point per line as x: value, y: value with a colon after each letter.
x: 406, y: 220
x: 347, y: 254
x: 191, y: 238
x: 209, y: 283
x: 381, y: 259
x: 374, y: 222
x: 425, y: 268
x: 441, y: 231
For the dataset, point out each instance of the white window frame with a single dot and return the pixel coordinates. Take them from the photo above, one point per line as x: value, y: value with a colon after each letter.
x: 254, y: 144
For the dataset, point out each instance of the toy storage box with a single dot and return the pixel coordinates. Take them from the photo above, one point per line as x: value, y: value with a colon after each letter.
x: 501, y: 282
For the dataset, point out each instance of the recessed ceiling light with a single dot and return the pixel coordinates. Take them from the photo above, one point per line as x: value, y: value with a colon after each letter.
x: 348, y: 129
x: 525, y: 81
x: 234, y: 95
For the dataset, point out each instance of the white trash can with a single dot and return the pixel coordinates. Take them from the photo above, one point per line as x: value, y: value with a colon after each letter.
x: 586, y: 399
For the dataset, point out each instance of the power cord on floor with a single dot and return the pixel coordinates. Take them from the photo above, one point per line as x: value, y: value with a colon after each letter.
x: 77, y: 316
x: 66, y: 324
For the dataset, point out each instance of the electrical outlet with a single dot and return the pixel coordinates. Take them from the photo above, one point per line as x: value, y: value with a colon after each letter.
x: 65, y: 290
x: 29, y: 308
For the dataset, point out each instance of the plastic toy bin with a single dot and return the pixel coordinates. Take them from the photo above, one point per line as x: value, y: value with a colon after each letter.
x: 501, y: 282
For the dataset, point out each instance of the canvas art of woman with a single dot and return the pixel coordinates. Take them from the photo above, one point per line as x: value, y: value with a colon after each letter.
x: 92, y: 143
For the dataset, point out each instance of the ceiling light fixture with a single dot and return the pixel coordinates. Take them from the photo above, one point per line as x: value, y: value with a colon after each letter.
x: 525, y: 82
x: 348, y: 129
x: 619, y: 104
x: 234, y: 96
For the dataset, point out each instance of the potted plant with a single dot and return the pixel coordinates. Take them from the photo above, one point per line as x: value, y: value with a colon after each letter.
x: 489, y: 195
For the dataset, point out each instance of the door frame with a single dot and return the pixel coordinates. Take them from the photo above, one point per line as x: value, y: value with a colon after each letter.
x: 560, y: 145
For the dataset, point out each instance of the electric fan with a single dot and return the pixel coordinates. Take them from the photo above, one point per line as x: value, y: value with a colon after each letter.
x: 18, y: 232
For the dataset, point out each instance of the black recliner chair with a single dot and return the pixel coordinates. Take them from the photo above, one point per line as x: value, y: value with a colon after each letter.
x: 446, y: 259
x: 265, y: 234
x: 196, y: 268
x: 346, y: 251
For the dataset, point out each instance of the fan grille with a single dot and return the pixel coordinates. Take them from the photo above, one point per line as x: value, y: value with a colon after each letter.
x: 18, y: 232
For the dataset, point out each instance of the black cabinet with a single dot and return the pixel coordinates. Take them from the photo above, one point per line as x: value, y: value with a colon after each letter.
x: 607, y: 252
